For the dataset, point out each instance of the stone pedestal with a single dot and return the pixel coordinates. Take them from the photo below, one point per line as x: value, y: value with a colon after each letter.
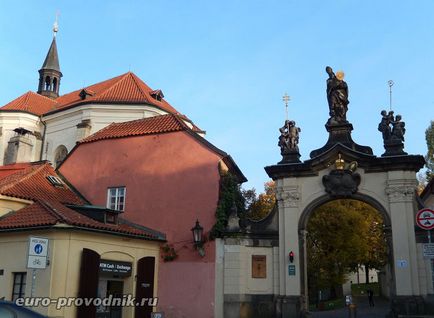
x: 394, y: 147
x: 340, y: 133
x: 290, y: 156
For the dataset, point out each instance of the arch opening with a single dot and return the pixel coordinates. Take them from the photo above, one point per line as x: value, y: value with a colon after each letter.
x: 60, y: 155
x: 345, y: 243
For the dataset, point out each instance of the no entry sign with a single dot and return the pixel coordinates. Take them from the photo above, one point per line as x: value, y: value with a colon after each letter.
x: 425, y: 219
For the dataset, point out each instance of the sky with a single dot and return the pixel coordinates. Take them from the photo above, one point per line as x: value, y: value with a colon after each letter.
x: 226, y: 64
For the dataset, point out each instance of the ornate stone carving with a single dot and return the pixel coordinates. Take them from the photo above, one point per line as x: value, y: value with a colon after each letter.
x: 342, y: 183
x: 288, y: 197
x: 403, y: 192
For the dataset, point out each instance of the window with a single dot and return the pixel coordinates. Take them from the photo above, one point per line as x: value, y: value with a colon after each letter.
x: 19, y: 287
x: 116, y: 198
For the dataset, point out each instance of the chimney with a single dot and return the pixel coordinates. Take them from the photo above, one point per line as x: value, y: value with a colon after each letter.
x: 19, y: 147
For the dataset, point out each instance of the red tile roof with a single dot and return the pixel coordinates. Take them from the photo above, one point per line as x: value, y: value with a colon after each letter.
x: 7, y: 170
x: 32, y: 103
x: 50, y: 213
x: 29, y: 181
x: 139, y: 127
x: 124, y: 89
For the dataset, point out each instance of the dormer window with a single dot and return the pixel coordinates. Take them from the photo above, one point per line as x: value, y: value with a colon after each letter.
x: 85, y: 92
x: 116, y: 198
x: 55, y: 181
x: 111, y: 218
x: 157, y: 94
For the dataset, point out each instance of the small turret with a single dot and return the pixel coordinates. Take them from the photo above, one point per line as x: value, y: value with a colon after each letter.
x: 49, y: 74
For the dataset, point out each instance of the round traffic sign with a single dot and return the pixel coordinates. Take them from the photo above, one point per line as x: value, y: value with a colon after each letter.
x: 425, y: 219
x: 38, y: 248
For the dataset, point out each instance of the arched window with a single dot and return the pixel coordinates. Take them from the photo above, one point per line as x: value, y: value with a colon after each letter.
x: 47, y: 83
x: 54, y: 84
x: 60, y: 155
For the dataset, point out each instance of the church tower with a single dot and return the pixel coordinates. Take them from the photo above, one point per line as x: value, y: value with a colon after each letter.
x: 49, y: 74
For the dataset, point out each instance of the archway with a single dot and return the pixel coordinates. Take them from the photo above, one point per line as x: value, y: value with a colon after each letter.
x: 377, y: 212
x: 59, y: 155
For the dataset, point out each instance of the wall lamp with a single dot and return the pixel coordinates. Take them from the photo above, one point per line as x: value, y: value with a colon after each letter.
x: 198, y: 238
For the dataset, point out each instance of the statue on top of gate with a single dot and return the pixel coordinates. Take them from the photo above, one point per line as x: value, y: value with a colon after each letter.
x: 337, y: 96
x: 288, y: 142
x: 393, y: 130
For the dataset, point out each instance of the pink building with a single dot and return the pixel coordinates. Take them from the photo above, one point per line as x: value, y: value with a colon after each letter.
x: 165, y: 176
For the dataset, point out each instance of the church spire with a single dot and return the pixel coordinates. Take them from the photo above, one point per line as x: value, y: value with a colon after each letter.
x: 49, y: 74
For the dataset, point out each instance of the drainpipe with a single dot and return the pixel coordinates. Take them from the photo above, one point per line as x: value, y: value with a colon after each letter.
x: 43, y: 137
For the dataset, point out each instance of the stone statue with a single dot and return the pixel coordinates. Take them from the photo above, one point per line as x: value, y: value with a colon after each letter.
x: 393, y: 130
x: 337, y: 96
x: 398, y: 129
x: 289, y: 136
x: 384, y: 125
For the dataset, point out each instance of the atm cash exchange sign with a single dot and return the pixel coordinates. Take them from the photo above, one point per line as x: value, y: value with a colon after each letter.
x: 115, y: 268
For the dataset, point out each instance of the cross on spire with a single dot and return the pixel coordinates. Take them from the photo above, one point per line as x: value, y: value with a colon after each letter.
x: 286, y: 98
x: 390, y: 83
x: 56, y: 24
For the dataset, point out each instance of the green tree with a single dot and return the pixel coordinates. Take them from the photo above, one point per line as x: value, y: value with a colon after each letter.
x: 343, y: 235
x: 230, y: 196
x: 259, y: 206
x: 429, y: 158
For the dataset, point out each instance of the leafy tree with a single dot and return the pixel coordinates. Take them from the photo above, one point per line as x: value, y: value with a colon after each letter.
x: 429, y: 158
x: 259, y: 206
x: 342, y: 235
x: 230, y: 196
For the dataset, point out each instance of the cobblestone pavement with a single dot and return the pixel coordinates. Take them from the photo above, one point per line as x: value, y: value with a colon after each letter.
x: 381, y: 309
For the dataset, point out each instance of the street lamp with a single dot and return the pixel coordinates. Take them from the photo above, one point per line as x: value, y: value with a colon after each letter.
x: 197, y: 238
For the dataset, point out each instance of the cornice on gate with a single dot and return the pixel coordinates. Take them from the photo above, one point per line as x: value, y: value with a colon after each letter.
x: 369, y: 163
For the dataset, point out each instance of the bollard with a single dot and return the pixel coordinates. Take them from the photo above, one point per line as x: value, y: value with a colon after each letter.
x: 352, y: 311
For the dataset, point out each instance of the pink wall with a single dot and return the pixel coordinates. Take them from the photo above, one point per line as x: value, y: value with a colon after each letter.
x: 171, y: 179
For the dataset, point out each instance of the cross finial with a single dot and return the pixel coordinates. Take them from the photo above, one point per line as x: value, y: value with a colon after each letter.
x: 286, y: 98
x: 56, y: 24
x: 390, y: 83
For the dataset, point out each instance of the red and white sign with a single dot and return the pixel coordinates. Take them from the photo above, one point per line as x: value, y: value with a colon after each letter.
x: 425, y: 219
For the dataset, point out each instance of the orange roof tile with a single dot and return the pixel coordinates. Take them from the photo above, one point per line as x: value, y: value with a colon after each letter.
x: 50, y: 213
x: 145, y: 126
x: 126, y: 88
x: 123, y: 89
x: 31, y: 183
x: 32, y: 103
x: 7, y: 170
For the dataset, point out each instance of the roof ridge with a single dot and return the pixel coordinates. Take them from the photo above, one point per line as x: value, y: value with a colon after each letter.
x: 52, y: 210
x: 135, y: 79
x: 45, y: 97
x: 179, y: 120
x: 116, y: 84
x: 24, y: 177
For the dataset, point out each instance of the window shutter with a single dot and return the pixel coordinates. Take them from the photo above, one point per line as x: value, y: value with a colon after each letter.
x: 88, y: 288
x: 144, y: 285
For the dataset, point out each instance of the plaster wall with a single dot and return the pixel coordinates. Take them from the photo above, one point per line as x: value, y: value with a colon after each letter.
x: 61, y: 277
x: 9, y: 204
x: 11, y: 120
x: 171, y: 180
x: 62, y: 126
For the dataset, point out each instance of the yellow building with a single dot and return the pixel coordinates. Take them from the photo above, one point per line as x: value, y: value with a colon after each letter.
x: 93, y: 255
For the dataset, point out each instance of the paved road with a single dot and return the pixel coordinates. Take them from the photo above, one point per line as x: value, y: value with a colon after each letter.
x: 380, y: 309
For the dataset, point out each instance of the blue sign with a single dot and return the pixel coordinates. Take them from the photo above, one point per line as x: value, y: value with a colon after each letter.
x: 38, y: 248
x: 291, y: 270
